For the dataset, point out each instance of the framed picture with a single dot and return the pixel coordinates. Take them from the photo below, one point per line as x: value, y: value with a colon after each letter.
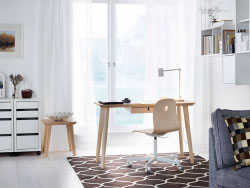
x: 11, y: 41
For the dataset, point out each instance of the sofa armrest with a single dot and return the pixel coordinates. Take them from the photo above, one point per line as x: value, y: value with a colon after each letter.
x: 212, y: 161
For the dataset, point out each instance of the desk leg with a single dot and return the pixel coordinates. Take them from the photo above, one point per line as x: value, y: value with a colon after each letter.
x: 104, y: 136
x: 187, y: 125
x: 99, y: 136
x: 180, y: 132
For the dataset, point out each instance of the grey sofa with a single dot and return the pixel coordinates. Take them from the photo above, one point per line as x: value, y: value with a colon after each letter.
x: 221, y: 161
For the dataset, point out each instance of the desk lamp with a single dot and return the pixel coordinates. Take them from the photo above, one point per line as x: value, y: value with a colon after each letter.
x: 161, y: 74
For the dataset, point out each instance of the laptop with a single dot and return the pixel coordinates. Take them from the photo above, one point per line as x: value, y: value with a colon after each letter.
x: 111, y: 102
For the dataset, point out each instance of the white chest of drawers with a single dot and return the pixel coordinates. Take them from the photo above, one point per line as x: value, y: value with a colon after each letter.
x: 6, y: 126
x: 20, y: 125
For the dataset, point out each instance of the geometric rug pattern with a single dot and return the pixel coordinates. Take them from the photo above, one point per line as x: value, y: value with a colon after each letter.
x: 118, y: 174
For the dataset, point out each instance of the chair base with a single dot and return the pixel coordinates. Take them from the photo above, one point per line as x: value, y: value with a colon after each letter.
x: 151, y: 160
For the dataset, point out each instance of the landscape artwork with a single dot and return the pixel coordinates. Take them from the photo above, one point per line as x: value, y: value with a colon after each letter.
x: 7, y: 41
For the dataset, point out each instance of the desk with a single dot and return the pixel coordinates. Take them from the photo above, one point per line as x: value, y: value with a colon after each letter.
x: 140, y: 108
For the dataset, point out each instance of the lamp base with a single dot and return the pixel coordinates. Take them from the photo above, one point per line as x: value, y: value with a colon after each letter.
x: 179, y: 100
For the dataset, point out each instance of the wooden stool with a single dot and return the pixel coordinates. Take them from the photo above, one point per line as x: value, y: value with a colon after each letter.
x: 70, y: 131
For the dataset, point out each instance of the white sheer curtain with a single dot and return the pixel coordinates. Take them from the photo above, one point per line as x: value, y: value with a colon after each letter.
x: 83, y: 77
x: 172, y: 42
x: 164, y: 36
x: 54, y: 59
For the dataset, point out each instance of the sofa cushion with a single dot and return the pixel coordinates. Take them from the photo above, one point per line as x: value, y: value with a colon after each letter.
x: 239, y: 129
x: 227, y: 177
x: 223, y: 145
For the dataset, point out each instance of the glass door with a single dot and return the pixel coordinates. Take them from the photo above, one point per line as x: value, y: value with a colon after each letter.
x: 128, y: 41
x: 109, y: 56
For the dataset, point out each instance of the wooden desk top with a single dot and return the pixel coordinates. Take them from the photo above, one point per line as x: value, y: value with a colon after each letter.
x: 141, y: 104
x: 52, y: 122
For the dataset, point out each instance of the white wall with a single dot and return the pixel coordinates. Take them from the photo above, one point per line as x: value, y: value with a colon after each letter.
x: 25, y: 12
x: 225, y: 96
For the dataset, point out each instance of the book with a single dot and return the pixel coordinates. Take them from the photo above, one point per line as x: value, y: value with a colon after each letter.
x: 207, y: 45
x: 229, y: 41
x: 217, y: 44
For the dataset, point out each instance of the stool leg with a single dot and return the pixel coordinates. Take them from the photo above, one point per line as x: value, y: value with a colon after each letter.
x: 72, y: 137
x: 48, y: 133
x: 45, y: 138
x: 69, y: 140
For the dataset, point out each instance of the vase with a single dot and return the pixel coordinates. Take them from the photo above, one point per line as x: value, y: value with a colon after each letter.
x: 14, y: 95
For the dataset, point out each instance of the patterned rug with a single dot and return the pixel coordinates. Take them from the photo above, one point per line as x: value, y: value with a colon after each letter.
x: 118, y: 174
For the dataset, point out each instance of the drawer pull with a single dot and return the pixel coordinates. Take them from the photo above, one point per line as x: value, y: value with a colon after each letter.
x: 31, y: 109
x: 27, y: 134
x: 5, y: 110
x: 5, y: 134
x: 27, y: 118
x: 5, y: 119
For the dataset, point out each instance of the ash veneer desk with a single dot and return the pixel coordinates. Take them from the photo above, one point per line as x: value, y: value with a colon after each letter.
x: 145, y: 107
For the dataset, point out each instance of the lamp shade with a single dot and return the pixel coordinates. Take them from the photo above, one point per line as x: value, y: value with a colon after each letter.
x: 160, y: 72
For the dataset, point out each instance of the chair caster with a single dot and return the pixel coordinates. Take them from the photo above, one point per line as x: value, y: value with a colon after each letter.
x: 129, y: 164
x: 147, y: 170
x: 179, y: 167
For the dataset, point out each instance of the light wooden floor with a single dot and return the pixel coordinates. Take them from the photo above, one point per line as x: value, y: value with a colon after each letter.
x: 31, y: 171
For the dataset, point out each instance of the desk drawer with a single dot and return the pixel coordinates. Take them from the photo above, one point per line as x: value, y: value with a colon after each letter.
x: 5, y: 105
x: 141, y: 110
x: 5, y: 143
x: 5, y: 127
x: 27, y: 114
x: 27, y: 126
x: 27, y: 142
x: 27, y: 105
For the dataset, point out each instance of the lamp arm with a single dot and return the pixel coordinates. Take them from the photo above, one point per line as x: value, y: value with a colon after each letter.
x: 168, y: 70
x: 172, y: 70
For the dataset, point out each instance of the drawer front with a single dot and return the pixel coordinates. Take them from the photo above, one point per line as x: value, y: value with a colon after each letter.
x: 27, y: 114
x: 5, y: 105
x: 5, y: 143
x: 5, y: 127
x: 27, y: 126
x: 5, y: 114
x: 142, y: 110
x: 27, y: 105
x: 27, y: 142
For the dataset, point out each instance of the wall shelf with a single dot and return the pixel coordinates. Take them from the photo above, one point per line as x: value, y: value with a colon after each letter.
x: 244, y: 21
x: 236, y: 66
x: 210, y: 40
x: 212, y: 55
x: 244, y: 52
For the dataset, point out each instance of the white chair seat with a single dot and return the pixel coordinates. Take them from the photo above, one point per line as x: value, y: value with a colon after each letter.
x: 165, y: 121
x: 146, y: 131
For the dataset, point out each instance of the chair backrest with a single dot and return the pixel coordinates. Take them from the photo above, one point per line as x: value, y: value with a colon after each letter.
x: 165, y: 117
